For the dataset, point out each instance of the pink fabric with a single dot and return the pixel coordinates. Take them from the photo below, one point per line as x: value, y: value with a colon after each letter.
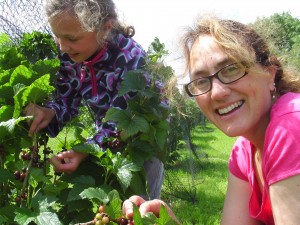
x: 281, y: 155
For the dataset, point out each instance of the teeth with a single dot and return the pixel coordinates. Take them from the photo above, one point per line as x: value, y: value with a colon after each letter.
x: 230, y: 108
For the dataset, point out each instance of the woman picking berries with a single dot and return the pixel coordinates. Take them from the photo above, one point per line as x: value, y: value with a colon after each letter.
x: 245, y: 91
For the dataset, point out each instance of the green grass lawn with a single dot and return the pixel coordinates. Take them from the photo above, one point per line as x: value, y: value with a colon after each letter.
x: 207, y: 186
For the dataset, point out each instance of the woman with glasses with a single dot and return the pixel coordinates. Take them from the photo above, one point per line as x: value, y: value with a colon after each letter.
x: 245, y: 92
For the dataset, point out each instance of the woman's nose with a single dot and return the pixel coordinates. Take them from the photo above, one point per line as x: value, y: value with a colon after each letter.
x: 219, y: 90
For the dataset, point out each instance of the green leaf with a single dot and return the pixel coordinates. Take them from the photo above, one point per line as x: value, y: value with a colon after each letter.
x: 42, y: 203
x: 123, y: 169
x: 137, y: 215
x: 38, y: 90
x: 93, y: 149
x: 5, y: 175
x: 86, y: 180
x: 22, y: 75
x: 37, y: 175
x: 5, y: 76
x: 36, y: 93
x: 113, y: 208
x: 74, y: 194
x: 80, y: 206
x: 49, y: 66
x: 56, y: 188
x: 128, y: 122
x: 161, y: 134
x: 25, y: 216
x: 48, y: 218
x: 7, y: 92
x: 164, y: 217
x: 7, y: 128
x: 95, y: 193
x: 134, y: 81
x: 138, y: 183
x: 8, y: 212
x: 6, y: 112
x: 149, y: 218
x: 3, y: 219
x: 11, y: 58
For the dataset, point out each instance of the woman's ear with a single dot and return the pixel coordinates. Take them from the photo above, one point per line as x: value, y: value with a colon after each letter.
x: 272, y: 71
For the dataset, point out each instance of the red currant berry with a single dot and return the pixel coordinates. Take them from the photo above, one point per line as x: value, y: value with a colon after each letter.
x: 17, y: 175
x: 101, y: 209
x: 22, y: 176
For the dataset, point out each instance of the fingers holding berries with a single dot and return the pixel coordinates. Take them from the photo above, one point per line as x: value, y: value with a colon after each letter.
x: 67, y: 161
x: 41, y: 117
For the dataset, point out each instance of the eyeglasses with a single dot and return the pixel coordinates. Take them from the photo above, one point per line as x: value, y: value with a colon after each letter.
x: 226, y: 75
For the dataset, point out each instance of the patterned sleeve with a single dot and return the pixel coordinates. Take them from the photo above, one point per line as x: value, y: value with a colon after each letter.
x: 108, y: 129
x: 137, y: 60
x: 67, y: 100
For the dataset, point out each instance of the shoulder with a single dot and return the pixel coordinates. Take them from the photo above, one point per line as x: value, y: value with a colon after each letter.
x: 128, y: 45
x: 285, y: 115
x: 126, y: 52
x: 282, y: 140
x: 240, y: 158
x: 287, y: 103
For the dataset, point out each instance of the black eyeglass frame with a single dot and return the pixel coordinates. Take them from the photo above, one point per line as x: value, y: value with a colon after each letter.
x: 216, y: 75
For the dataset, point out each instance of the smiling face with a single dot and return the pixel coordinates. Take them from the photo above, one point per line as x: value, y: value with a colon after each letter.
x: 72, y: 39
x: 240, y: 108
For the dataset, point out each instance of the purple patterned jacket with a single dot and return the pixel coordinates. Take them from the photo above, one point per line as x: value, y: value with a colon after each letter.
x: 96, y: 82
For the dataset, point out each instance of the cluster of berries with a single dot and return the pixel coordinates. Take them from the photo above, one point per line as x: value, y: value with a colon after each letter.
x: 22, y: 196
x: 20, y: 175
x: 114, y: 142
x: 102, y: 218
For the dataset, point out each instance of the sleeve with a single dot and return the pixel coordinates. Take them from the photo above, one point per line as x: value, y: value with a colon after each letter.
x: 240, y: 159
x: 66, y: 100
x: 282, y: 156
x: 129, y: 59
x: 109, y: 128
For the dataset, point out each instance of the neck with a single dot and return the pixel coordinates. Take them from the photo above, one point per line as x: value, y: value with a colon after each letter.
x: 257, y: 135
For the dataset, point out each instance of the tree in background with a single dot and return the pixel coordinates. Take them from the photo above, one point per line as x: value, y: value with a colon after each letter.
x: 283, y: 33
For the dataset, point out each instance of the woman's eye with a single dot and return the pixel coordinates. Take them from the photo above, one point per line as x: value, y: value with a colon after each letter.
x: 72, y: 39
x: 201, y: 82
x: 232, y: 70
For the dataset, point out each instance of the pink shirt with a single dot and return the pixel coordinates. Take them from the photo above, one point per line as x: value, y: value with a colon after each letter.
x: 281, y: 155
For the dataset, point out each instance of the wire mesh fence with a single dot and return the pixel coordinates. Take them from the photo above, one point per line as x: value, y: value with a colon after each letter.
x: 22, y: 16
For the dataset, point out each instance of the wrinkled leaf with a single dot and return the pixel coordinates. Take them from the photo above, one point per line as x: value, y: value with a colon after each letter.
x: 48, y: 218
x: 134, y: 81
x: 95, y: 193
x: 24, y: 216
x: 128, y: 122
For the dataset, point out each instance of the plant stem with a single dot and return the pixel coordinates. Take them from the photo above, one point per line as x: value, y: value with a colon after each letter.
x: 87, y: 223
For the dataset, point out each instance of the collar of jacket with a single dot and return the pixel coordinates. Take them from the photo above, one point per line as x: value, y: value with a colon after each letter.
x: 89, y: 65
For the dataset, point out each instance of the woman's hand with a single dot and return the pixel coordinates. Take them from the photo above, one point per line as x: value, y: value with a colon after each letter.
x: 41, y: 117
x: 145, y: 207
x: 67, y: 161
